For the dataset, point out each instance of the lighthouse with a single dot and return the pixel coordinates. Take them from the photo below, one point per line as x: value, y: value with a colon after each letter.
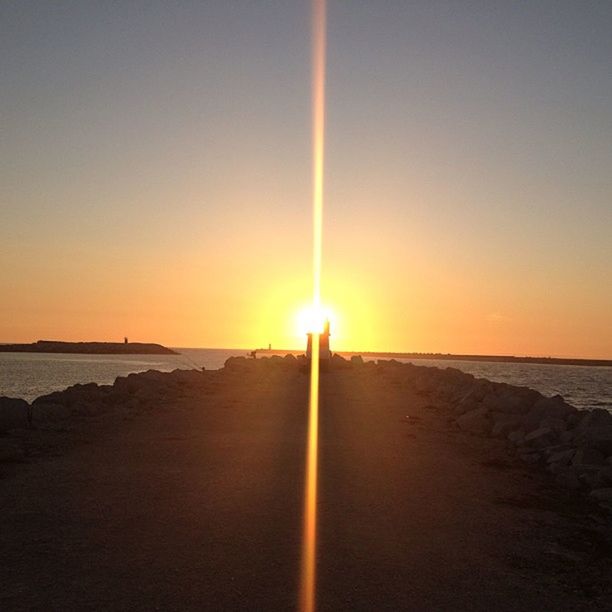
x: 324, y: 352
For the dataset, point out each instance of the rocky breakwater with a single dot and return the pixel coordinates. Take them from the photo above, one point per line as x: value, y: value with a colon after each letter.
x: 25, y: 428
x: 574, y: 446
x: 81, y: 403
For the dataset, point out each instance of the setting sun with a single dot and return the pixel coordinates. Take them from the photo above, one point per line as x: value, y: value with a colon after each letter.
x: 312, y: 319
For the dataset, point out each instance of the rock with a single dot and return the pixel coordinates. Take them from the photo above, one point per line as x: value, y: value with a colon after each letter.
x: 339, y: 363
x: 555, y: 407
x: 475, y: 421
x: 606, y: 474
x: 590, y: 476
x: 503, y: 424
x: 601, y: 439
x: 562, y: 457
x: 187, y: 377
x: 566, y: 436
x: 45, y: 413
x: 237, y: 363
x: 530, y: 457
x: 73, y: 398
x: 10, y: 450
x: 544, y: 436
x: 547, y: 408
x: 569, y: 479
x: 588, y: 456
x: 14, y: 413
x: 356, y: 360
x: 602, y: 495
x: 470, y: 400
x: 154, y: 376
x: 556, y: 424
x: 516, y: 437
x: 595, y: 420
x: 513, y: 400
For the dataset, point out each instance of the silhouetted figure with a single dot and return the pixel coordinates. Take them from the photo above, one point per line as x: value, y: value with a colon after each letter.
x: 125, y: 340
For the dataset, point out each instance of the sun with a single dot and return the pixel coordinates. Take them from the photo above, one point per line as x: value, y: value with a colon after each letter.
x: 312, y: 319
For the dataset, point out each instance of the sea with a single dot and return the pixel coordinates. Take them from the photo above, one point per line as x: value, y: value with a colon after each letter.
x: 29, y: 375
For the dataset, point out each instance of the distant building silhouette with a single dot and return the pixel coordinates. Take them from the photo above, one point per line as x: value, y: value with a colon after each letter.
x: 324, y: 352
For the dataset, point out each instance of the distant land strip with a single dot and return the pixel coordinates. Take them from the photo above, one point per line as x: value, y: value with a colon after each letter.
x: 89, y: 348
x: 450, y: 357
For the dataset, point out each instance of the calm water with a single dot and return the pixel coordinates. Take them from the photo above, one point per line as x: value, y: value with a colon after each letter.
x: 29, y: 375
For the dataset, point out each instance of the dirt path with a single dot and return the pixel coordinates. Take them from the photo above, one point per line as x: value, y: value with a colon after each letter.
x: 197, y: 505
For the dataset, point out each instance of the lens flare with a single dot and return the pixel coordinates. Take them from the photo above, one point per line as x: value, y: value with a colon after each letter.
x: 309, y: 546
x: 312, y: 320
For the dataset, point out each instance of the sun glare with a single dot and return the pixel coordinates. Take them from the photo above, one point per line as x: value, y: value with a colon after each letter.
x: 311, y: 319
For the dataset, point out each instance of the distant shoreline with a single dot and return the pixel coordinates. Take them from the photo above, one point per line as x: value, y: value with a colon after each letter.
x: 485, y: 358
x: 88, y: 348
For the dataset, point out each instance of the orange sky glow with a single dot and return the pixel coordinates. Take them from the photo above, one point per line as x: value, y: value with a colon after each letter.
x: 156, y: 178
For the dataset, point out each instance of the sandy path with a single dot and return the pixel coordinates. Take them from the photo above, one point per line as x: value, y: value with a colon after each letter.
x: 197, y: 505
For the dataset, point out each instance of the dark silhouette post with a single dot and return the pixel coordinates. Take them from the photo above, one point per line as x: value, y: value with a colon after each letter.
x: 324, y: 352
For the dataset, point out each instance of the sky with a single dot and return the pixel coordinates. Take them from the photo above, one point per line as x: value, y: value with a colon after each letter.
x: 155, y: 174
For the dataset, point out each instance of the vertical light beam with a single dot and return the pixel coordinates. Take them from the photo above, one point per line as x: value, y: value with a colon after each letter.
x: 309, y: 541
x: 309, y: 545
x: 318, y: 140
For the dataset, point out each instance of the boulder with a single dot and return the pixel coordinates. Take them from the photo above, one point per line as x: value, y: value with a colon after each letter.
x: 590, y: 476
x: 539, y: 438
x: 530, y: 457
x: 339, y: 363
x: 601, y: 439
x: 562, y: 457
x: 556, y: 424
x: 597, y: 419
x: 555, y: 407
x: 516, y: 437
x: 154, y: 376
x: 547, y: 408
x: 474, y: 421
x: 503, y: 424
x: 356, y: 360
x: 73, y: 396
x: 186, y: 377
x: 14, y: 413
x: 602, y: 495
x: 606, y: 474
x: 512, y: 400
x: 568, y: 479
x: 10, y: 451
x: 588, y: 456
x: 44, y: 413
x: 237, y: 363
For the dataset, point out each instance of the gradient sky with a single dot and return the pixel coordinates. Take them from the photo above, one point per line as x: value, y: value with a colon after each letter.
x: 155, y: 174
